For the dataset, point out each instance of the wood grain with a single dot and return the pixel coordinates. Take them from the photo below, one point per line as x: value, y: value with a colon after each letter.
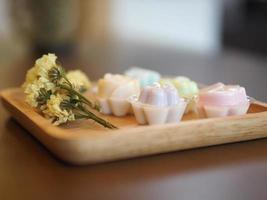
x: 85, y: 142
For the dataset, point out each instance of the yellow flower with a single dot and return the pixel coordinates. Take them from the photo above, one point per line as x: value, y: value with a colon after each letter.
x: 31, y: 76
x: 32, y: 90
x: 40, y: 69
x: 44, y: 64
x: 37, y: 78
x: 54, y: 111
x: 79, y: 80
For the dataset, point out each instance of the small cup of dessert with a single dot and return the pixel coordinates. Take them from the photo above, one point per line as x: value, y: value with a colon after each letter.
x: 158, y: 105
x: 113, y: 93
x: 186, y: 88
x: 144, y: 76
x: 221, y: 100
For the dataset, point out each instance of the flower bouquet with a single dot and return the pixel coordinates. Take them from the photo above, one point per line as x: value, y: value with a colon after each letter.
x: 58, y: 94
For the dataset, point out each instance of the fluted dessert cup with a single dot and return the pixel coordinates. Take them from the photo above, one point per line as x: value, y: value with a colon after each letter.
x: 221, y: 100
x: 158, y: 105
x: 113, y: 94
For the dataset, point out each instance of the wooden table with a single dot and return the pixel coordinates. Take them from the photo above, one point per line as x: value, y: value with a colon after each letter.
x: 29, y: 171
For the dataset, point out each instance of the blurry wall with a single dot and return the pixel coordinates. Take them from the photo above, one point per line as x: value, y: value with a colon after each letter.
x: 4, y: 21
x: 188, y: 25
x: 10, y: 45
x: 191, y: 24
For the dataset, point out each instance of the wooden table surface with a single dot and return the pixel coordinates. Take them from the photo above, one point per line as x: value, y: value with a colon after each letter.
x: 29, y: 171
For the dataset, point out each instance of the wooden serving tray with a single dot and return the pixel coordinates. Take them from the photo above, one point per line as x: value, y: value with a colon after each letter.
x: 85, y: 142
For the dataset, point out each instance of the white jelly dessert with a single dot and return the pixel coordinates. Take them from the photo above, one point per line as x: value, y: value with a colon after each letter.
x: 221, y: 100
x: 186, y: 88
x: 158, y: 105
x: 113, y: 92
x: 145, y: 76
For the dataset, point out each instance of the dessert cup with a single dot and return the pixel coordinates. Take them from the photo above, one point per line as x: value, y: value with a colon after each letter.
x: 158, y: 105
x: 149, y: 114
x: 221, y: 100
x: 113, y: 93
x: 186, y: 88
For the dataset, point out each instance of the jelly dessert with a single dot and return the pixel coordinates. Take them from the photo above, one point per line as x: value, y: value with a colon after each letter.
x: 186, y: 88
x: 158, y: 105
x: 145, y: 76
x: 113, y: 92
x: 221, y: 100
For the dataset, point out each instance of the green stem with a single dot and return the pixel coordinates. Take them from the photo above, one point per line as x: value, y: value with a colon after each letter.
x: 84, y: 99
x: 67, y: 80
x: 99, y: 120
x: 90, y: 115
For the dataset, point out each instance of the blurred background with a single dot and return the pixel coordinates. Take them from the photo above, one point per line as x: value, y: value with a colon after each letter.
x: 207, y: 40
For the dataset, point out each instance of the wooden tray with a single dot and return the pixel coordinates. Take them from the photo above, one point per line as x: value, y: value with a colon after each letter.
x: 85, y: 142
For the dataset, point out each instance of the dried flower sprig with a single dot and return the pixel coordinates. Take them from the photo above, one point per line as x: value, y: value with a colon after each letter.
x: 57, y: 94
x: 58, y: 76
x: 81, y: 112
x: 43, y: 96
x: 76, y: 102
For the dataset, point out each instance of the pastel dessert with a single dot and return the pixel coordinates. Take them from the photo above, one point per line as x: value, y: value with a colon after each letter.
x: 158, y: 105
x: 221, y: 100
x: 113, y: 93
x: 145, y: 76
x: 186, y: 88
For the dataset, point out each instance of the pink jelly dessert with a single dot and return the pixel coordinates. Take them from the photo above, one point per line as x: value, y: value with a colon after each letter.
x: 158, y: 105
x: 221, y: 100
